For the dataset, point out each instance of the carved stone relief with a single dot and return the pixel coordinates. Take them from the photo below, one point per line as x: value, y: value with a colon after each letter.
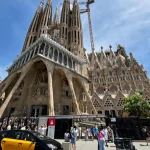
x: 17, y: 95
x: 113, y: 89
x: 40, y: 94
x: 140, y: 86
x: 38, y: 91
x: 126, y: 88
x: 42, y: 77
x: 100, y: 90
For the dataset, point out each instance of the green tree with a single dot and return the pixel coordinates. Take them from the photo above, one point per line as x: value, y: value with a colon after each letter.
x: 136, y: 105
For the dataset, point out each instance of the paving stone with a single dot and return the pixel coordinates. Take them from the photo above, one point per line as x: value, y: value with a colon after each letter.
x: 93, y: 145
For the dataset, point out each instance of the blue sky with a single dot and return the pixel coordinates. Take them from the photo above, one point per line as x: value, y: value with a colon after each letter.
x: 125, y: 22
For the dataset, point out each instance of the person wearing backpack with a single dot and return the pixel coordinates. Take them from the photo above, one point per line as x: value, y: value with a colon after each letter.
x: 101, y: 139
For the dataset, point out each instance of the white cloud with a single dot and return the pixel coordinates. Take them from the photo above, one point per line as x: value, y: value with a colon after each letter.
x: 124, y: 22
x: 118, y: 21
x: 114, y: 22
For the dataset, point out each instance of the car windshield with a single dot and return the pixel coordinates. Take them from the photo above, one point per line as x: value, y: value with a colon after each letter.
x: 40, y: 136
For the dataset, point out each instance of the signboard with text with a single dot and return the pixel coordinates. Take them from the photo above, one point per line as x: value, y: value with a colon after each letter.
x: 51, y: 127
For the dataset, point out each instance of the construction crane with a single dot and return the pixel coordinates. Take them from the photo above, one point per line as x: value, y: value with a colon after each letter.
x: 87, y: 10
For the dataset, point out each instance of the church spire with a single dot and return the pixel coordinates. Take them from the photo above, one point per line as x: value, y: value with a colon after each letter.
x: 56, y: 18
x: 32, y: 33
x: 102, y: 56
x: 75, y: 2
x: 76, y: 31
x: 65, y: 12
x: 64, y: 24
x: 112, y: 55
x: 76, y: 19
x: 46, y: 17
x: 41, y: 6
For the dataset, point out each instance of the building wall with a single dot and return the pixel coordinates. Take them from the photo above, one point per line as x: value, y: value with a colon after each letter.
x: 117, y: 76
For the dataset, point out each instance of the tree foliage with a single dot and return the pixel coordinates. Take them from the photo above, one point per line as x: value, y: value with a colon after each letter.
x: 136, y: 105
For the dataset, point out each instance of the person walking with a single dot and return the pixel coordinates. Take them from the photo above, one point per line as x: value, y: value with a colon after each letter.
x: 145, y: 134
x: 73, y: 137
x: 110, y: 134
x: 106, y: 136
x: 80, y: 132
x: 101, y: 139
x: 93, y: 132
x: 86, y: 134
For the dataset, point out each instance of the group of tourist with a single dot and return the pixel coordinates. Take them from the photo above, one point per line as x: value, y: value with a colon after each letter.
x: 22, y: 123
x: 102, y: 134
x: 17, y: 123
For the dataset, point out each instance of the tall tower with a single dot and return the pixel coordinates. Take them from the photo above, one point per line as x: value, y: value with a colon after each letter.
x: 65, y: 23
x: 46, y: 17
x: 76, y: 37
x: 32, y: 33
x: 55, y: 30
x: 56, y: 17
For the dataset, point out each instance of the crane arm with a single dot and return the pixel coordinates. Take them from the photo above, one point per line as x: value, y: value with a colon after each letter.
x: 90, y: 27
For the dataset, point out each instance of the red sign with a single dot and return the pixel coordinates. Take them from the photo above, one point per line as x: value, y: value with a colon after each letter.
x: 51, y: 121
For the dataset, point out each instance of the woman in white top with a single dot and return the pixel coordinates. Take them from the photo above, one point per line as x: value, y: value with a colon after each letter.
x: 106, y: 135
x: 67, y: 136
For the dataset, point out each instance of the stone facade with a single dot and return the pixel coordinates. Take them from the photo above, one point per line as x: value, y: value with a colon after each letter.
x: 116, y: 76
x: 54, y: 75
x: 46, y: 79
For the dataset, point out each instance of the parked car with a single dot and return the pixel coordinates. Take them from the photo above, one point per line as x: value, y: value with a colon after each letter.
x: 23, y: 140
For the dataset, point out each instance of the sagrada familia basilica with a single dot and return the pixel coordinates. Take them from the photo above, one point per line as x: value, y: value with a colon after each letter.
x: 54, y: 75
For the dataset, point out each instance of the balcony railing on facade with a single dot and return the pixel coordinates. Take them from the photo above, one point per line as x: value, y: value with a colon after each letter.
x: 49, y: 49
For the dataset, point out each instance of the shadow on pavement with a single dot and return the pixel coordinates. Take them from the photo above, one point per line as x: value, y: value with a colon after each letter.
x: 144, y: 145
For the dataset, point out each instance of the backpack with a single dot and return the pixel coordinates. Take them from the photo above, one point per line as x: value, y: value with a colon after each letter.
x: 100, y: 135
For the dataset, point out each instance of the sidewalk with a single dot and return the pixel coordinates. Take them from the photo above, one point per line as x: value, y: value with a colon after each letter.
x: 93, y: 145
